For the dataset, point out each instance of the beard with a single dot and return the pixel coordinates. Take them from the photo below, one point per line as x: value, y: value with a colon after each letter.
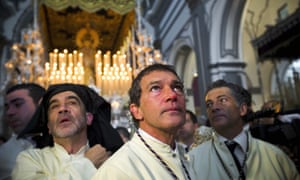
x: 69, y: 129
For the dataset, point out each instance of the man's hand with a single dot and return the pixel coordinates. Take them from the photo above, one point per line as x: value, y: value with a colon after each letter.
x: 97, y: 154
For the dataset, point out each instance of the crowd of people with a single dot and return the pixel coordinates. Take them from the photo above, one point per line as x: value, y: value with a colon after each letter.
x: 64, y: 132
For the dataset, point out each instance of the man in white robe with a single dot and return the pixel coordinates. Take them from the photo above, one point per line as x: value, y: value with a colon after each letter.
x: 157, y: 104
x: 227, y: 104
x: 71, y: 143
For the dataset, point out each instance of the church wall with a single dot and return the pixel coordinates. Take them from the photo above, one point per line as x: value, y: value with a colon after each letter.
x: 258, y: 16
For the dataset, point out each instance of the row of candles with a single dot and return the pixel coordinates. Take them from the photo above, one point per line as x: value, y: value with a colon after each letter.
x: 111, y: 73
x: 114, y: 75
x: 64, y: 67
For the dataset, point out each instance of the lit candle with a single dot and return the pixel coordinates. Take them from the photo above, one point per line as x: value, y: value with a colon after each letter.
x: 70, y: 59
x: 115, y: 60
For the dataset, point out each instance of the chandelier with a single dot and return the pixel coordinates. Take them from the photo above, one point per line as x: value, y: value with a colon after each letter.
x: 26, y: 62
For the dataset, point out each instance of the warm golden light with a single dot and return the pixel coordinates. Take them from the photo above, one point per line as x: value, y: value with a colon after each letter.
x: 112, y: 77
x: 112, y: 73
x: 64, y: 67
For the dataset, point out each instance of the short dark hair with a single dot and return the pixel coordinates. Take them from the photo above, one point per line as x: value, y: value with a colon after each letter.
x: 240, y: 94
x: 35, y: 91
x: 192, y: 115
x: 135, y: 90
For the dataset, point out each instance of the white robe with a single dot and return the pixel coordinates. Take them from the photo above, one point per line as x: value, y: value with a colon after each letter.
x: 53, y: 163
x: 134, y: 161
x: 263, y: 161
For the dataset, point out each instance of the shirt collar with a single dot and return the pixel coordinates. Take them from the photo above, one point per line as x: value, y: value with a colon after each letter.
x: 241, y: 139
x: 148, y: 136
x: 81, y: 151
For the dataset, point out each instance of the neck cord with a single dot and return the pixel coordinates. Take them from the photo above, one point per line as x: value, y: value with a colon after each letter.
x: 223, y: 164
x: 162, y: 161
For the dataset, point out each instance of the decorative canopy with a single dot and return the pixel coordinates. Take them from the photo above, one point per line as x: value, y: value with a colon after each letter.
x: 120, y: 6
x: 280, y: 41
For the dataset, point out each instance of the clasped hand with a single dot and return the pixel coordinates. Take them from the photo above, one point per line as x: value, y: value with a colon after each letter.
x: 97, y: 154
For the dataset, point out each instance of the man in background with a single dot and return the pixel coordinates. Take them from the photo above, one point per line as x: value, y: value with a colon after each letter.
x: 21, y: 102
x: 186, y: 134
x: 233, y: 153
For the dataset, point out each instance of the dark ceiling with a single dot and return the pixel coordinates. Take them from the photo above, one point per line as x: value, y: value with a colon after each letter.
x: 59, y: 28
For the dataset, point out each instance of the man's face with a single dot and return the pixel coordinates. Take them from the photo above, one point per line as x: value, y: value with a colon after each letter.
x: 162, y: 103
x: 66, y: 115
x: 223, y: 111
x: 19, y: 109
x: 187, y: 131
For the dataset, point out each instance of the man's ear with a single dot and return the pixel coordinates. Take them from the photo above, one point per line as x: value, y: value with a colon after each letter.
x: 89, y: 118
x: 243, y: 109
x: 136, y: 112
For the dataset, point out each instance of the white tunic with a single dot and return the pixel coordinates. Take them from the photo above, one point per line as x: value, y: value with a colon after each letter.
x: 53, y: 163
x: 134, y: 161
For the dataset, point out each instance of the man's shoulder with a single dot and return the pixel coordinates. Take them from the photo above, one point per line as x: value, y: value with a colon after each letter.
x: 266, y: 146
x: 130, y: 153
x: 8, y: 144
x: 121, y: 163
x: 15, y: 146
x: 125, y: 152
x: 37, y: 152
x: 203, y: 147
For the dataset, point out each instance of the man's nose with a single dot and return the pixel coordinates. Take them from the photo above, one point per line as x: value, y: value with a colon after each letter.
x: 63, y: 109
x: 170, y: 93
x: 10, y: 111
x: 215, y: 106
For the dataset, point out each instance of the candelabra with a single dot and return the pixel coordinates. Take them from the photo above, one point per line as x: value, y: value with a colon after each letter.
x: 26, y: 62
x: 141, y: 44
